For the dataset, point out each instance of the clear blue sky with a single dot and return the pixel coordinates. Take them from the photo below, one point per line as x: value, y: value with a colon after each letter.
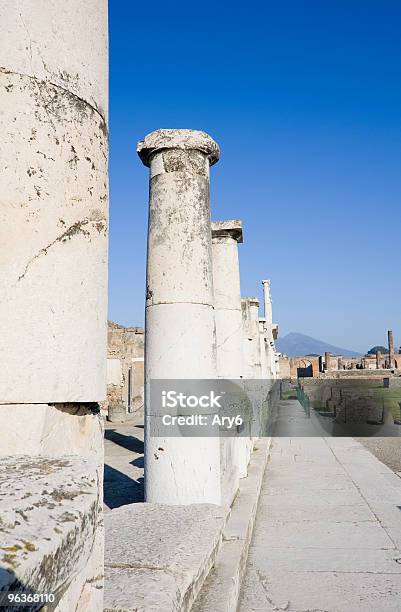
x: 304, y: 99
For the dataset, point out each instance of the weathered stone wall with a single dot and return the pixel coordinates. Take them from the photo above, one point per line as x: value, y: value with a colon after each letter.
x: 125, y: 367
x: 292, y: 367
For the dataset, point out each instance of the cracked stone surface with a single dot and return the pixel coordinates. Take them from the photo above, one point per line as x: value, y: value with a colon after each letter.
x: 328, y: 531
x: 163, y: 566
x: 53, y: 200
x: 51, y: 528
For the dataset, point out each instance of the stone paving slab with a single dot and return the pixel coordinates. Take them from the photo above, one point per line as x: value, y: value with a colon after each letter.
x: 221, y: 588
x: 157, y: 556
x: 328, y: 531
x: 321, y: 592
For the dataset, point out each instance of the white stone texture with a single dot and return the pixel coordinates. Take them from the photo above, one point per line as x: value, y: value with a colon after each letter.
x: 53, y: 201
x: 114, y: 372
x: 162, y: 567
x: 33, y: 429
x: 51, y: 533
x: 180, y: 328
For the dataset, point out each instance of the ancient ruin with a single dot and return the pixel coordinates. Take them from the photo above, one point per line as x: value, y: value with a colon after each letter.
x: 180, y: 522
x: 125, y: 373
x: 54, y: 234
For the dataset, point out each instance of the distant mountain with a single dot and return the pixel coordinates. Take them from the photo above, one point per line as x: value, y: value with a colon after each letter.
x: 294, y: 345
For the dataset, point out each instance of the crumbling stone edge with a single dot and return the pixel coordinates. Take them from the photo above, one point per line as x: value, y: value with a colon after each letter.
x: 220, y: 591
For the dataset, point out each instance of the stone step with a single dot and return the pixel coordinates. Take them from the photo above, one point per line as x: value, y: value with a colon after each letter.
x: 158, y: 556
x: 51, y: 530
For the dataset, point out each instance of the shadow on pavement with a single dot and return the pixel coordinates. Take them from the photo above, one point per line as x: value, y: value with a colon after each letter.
x: 119, y: 489
x: 129, y: 442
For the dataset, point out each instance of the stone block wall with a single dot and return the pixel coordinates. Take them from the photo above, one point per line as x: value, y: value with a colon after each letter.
x: 125, y: 368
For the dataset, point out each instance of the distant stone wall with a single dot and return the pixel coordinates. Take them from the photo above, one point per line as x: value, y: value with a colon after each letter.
x: 125, y: 368
x: 294, y: 367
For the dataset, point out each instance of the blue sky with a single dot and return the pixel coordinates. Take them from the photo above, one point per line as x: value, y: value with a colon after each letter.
x: 304, y: 99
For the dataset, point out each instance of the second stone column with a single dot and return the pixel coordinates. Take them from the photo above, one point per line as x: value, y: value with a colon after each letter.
x: 180, y: 329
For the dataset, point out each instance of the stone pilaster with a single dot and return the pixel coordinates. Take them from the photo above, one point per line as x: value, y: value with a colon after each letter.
x: 180, y: 327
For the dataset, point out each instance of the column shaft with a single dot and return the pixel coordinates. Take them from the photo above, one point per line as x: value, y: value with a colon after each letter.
x: 180, y: 327
x: 228, y: 317
x: 53, y: 262
x: 53, y: 201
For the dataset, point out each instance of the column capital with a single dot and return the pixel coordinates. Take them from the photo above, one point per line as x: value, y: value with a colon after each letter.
x: 253, y: 301
x: 185, y: 140
x: 266, y: 282
x: 231, y: 228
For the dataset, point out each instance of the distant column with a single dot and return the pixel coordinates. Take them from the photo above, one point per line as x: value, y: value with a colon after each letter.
x: 378, y: 359
x: 180, y: 327
x: 254, y: 326
x: 264, y: 347
x: 268, y: 312
x: 327, y: 361
x: 391, y: 349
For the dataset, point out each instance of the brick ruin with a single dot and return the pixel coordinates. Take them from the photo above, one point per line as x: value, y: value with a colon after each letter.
x: 125, y: 371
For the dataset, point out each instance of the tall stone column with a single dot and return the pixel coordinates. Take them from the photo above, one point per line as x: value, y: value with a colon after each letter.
x: 268, y: 312
x: 252, y: 355
x: 227, y: 303
x: 251, y: 337
x: 264, y: 349
x: 390, y: 350
x: 254, y: 324
x: 378, y: 360
x: 53, y: 261
x: 180, y: 328
x: 227, y: 297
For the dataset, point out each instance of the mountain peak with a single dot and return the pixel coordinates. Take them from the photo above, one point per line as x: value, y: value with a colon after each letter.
x: 295, y: 344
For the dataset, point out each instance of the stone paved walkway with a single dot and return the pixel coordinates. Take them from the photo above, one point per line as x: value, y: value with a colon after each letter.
x: 328, y: 530
x: 123, y: 463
